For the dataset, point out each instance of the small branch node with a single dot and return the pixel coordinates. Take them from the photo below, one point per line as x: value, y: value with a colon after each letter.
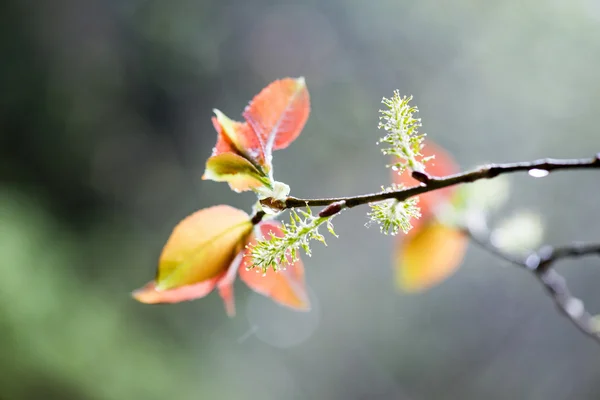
x: 332, y: 209
x: 421, y: 176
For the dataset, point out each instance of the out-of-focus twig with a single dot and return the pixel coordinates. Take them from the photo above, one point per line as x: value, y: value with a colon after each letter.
x: 541, y: 264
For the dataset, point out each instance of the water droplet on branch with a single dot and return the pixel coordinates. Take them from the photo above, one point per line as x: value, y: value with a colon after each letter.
x: 538, y: 173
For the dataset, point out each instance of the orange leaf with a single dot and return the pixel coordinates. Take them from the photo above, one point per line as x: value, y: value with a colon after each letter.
x: 223, y: 282
x: 286, y: 286
x: 442, y: 165
x: 240, y: 173
x: 279, y: 112
x: 202, y: 246
x: 428, y: 256
x: 148, y: 294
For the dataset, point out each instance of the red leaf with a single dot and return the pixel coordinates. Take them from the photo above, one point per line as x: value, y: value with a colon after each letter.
x: 148, y: 294
x: 225, y: 286
x: 279, y: 112
x: 286, y: 286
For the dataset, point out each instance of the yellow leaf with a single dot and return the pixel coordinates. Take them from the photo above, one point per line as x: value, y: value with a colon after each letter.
x: 240, y: 173
x: 202, y: 246
x: 428, y: 256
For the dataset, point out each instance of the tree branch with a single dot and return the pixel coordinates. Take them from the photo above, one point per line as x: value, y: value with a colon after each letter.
x: 540, y: 264
x: 435, y: 183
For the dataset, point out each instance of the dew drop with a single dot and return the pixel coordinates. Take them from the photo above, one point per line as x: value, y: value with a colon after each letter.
x: 394, y: 168
x: 538, y: 173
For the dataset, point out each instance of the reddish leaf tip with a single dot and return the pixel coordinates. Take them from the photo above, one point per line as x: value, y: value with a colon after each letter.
x: 150, y: 294
x: 141, y: 295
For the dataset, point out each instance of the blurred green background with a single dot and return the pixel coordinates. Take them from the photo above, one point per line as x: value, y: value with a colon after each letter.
x: 105, y: 126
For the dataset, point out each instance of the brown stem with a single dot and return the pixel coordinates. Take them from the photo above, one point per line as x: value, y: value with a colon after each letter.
x: 435, y: 183
x: 539, y: 263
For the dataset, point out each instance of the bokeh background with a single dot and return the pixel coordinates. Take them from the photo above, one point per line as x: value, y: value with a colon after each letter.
x: 104, y: 130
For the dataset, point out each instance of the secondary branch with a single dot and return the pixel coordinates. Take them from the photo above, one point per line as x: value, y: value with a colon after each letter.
x: 540, y: 264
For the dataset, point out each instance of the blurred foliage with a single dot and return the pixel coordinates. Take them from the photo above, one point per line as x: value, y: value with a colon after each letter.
x: 72, y: 334
x: 104, y: 130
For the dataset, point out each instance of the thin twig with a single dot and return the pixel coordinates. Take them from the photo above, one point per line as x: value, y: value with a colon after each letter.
x: 435, y: 183
x: 540, y: 264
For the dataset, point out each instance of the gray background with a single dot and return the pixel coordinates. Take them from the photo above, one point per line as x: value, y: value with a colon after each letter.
x: 104, y: 130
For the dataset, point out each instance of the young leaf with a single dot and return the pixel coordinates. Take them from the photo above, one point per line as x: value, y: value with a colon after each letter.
x: 242, y: 155
x: 224, y: 144
x: 428, y: 256
x: 279, y: 112
x: 202, y: 246
x: 285, y: 286
x: 236, y: 170
x: 240, y: 138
